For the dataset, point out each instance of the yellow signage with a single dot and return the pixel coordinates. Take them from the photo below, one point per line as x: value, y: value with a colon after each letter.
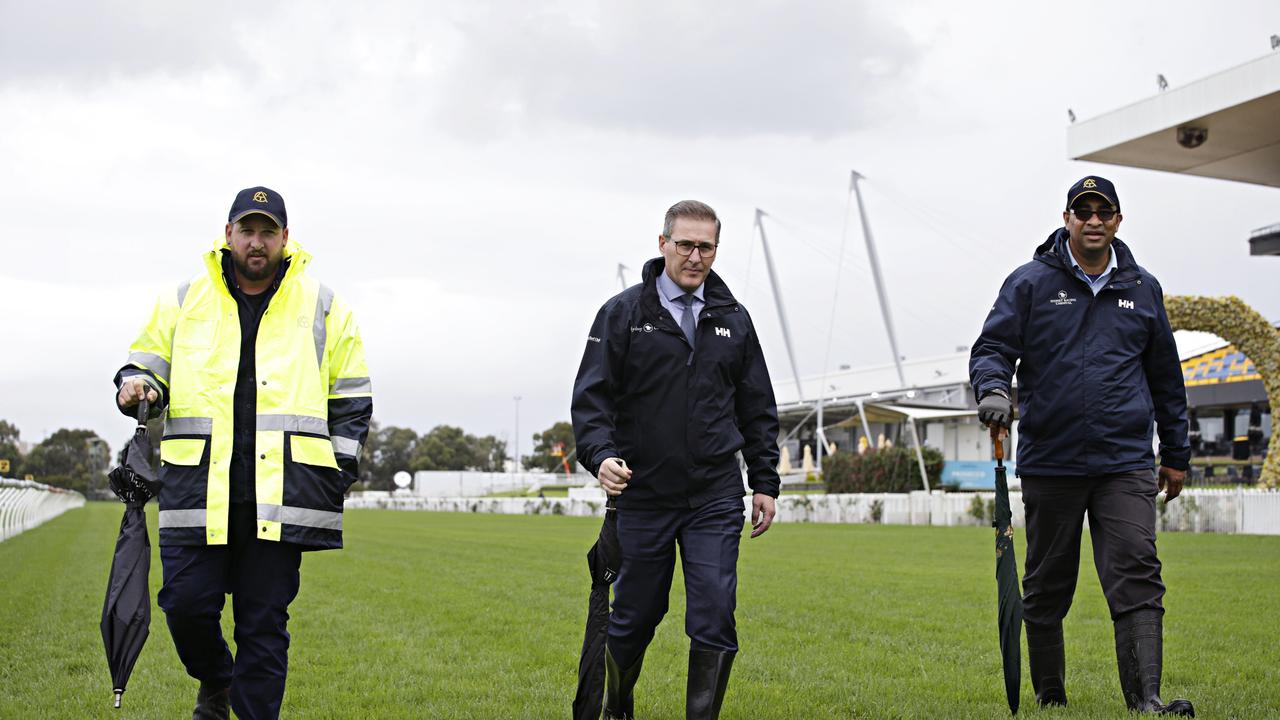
x: 4, y: 466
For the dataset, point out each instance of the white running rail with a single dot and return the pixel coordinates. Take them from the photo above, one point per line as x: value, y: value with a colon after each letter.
x: 1223, y: 511
x: 25, y: 504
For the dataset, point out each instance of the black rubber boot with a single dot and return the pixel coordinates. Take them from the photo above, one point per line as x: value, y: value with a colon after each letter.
x: 619, y: 700
x: 212, y: 703
x: 708, y: 678
x: 1139, y: 650
x: 1048, y: 664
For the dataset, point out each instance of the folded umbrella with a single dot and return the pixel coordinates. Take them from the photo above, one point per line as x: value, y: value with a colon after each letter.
x: 126, y: 612
x: 603, y: 559
x: 1010, y: 612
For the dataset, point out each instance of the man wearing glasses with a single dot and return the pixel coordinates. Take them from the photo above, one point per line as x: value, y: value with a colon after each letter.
x: 672, y: 386
x: 1085, y: 326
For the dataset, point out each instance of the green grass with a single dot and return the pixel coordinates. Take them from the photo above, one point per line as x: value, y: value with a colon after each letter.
x: 429, y: 615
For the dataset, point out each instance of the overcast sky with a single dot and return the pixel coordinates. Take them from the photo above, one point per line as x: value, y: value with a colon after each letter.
x: 469, y: 174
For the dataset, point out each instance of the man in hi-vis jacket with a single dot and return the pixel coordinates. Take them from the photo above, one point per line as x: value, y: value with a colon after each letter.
x: 260, y: 372
x: 1098, y: 372
x: 671, y: 387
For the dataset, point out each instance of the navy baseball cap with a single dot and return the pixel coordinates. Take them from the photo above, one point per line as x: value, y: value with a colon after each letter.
x: 261, y: 200
x: 1094, y: 185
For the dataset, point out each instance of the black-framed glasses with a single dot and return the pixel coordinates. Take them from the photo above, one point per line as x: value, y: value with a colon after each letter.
x: 686, y: 247
x: 1085, y: 214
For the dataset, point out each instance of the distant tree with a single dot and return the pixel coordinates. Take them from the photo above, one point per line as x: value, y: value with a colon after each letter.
x: 488, y: 453
x: 444, y: 447
x: 75, y: 459
x: 394, y: 450
x: 10, y: 449
x: 544, y: 444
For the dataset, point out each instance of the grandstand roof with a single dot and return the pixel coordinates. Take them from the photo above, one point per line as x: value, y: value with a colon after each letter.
x: 1237, y: 107
x: 938, y: 371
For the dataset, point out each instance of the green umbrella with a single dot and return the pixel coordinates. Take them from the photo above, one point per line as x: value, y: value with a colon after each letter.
x: 1010, y: 615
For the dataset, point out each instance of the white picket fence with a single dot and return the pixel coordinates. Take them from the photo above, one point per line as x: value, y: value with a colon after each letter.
x: 1227, y: 511
x: 25, y: 504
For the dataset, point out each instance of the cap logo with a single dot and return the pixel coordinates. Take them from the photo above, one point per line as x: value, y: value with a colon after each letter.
x: 1089, y: 183
x: 262, y: 197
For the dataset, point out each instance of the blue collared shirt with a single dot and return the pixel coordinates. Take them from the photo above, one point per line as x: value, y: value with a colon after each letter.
x: 669, y: 293
x: 1094, y: 285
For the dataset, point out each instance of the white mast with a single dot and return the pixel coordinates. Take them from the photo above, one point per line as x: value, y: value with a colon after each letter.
x: 888, y: 318
x: 777, y: 298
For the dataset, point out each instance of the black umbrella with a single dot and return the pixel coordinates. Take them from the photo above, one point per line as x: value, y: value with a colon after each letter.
x: 603, y: 559
x: 1010, y: 615
x: 126, y: 613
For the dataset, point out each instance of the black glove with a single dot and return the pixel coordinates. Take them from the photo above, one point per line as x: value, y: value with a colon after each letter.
x: 995, y: 409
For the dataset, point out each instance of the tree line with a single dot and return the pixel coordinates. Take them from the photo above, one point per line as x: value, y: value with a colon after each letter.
x: 391, y: 449
x: 79, y: 459
x: 69, y: 458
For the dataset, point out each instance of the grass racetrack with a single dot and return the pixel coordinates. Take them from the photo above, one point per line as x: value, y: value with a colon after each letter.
x: 430, y: 615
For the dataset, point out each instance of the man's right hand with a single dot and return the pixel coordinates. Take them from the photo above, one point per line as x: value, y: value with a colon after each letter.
x: 613, y: 476
x: 995, y: 410
x: 131, y: 392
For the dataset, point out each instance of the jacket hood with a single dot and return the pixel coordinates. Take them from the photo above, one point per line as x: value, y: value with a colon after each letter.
x: 1053, y: 252
x: 715, y: 292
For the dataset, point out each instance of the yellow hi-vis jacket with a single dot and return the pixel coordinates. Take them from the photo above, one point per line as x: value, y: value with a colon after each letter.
x: 314, y: 403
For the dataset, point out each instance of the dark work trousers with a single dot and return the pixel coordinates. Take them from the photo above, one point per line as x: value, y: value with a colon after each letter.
x: 708, y: 537
x: 262, y: 578
x: 1122, y: 525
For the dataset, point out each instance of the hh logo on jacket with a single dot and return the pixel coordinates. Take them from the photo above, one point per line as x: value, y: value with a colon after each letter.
x: 723, y: 332
x: 1126, y: 304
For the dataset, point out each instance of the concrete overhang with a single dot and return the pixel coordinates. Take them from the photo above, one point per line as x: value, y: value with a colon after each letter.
x: 1238, y: 108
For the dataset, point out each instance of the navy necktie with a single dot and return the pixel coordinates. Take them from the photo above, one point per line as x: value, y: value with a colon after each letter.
x: 687, y: 321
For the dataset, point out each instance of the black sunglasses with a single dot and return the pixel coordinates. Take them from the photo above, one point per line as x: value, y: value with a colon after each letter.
x: 1085, y: 214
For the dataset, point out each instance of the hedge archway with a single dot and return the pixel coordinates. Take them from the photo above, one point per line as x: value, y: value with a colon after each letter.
x: 1231, y: 319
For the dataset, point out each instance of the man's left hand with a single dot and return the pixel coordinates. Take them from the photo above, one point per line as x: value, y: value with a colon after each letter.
x: 1170, y: 481
x: 763, y: 511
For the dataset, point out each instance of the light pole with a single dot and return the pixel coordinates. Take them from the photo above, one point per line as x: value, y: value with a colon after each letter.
x: 517, y: 435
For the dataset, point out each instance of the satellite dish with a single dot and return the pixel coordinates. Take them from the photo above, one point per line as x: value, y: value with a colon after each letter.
x: 402, y: 479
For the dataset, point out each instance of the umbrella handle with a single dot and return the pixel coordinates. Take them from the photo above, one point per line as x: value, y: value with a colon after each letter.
x: 997, y: 443
x: 144, y: 410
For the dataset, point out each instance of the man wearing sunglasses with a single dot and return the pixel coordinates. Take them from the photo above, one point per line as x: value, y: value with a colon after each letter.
x: 671, y: 388
x: 1097, y: 367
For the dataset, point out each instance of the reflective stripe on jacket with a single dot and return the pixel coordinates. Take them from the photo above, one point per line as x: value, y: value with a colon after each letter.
x: 1095, y: 373
x: 314, y: 403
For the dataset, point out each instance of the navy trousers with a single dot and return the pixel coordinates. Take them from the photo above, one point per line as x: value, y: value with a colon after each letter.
x: 708, y: 538
x: 262, y: 579
x: 1122, y: 525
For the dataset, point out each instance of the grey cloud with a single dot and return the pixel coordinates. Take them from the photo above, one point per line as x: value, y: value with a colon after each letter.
x: 678, y: 68
x: 73, y: 43
x: 485, y: 69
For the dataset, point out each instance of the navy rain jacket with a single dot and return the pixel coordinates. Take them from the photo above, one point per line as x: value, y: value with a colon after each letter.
x: 676, y: 415
x: 1095, y: 372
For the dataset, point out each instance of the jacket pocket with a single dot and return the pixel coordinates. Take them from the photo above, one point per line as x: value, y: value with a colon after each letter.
x: 311, y: 476
x: 195, y: 333
x: 312, y: 451
x: 184, y: 473
x: 182, y: 451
